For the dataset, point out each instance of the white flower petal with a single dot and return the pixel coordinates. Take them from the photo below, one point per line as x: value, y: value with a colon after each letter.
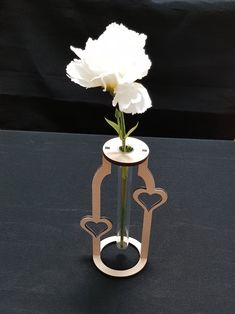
x: 79, y: 74
x: 79, y: 52
x: 109, y: 81
x: 115, y: 58
x: 132, y: 98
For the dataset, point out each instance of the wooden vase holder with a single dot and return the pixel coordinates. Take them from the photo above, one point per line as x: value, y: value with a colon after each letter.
x: 138, y: 157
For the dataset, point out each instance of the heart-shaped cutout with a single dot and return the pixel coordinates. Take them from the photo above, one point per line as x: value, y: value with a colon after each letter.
x: 150, y: 199
x: 96, y: 228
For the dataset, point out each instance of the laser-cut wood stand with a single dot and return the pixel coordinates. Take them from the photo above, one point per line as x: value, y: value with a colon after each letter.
x: 113, y: 155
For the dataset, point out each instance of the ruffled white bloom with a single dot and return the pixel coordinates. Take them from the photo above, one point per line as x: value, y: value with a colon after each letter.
x: 114, y: 61
x: 132, y: 98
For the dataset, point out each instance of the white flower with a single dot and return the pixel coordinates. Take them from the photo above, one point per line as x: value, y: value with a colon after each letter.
x: 114, y: 61
x: 132, y: 98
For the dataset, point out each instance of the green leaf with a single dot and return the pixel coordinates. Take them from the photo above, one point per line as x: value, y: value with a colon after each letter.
x: 132, y: 130
x: 113, y: 125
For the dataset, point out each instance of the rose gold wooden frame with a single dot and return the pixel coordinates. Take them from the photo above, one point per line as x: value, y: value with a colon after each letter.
x: 143, y: 246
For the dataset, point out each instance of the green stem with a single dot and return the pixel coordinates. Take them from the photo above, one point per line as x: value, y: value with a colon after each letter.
x: 123, y: 128
x: 122, y: 133
x: 124, y: 177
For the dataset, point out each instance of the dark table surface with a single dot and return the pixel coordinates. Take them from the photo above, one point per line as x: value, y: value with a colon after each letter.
x: 45, y: 258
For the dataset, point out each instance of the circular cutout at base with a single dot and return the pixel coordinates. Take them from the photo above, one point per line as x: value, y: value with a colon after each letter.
x: 119, y: 273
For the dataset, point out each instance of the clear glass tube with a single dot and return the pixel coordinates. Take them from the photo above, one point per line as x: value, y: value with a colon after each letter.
x: 124, y: 205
